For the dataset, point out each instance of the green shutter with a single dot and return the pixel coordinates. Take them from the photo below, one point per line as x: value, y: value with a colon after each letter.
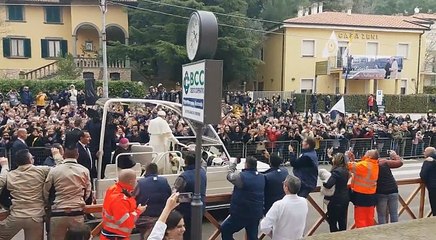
x: 27, y: 48
x: 6, y: 47
x: 64, y: 48
x: 15, y: 13
x: 53, y: 14
x: 44, y: 48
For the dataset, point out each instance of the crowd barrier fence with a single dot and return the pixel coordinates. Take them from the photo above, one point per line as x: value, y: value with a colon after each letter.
x: 405, y: 147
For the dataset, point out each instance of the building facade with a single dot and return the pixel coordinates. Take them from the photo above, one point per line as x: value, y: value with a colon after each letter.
x: 331, y: 52
x: 428, y: 73
x: 34, y: 34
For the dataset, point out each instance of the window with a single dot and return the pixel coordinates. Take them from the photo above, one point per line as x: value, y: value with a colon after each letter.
x: 307, y: 86
x: 433, y: 81
x: 52, y: 48
x: 53, y: 14
x: 261, y: 54
x: 308, y: 48
x: 342, y: 53
x: 15, y: 13
x: 372, y: 49
x: 88, y: 75
x: 115, y: 76
x: 16, y: 48
x: 260, y: 86
x: 403, y: 86
x: 403, y: 50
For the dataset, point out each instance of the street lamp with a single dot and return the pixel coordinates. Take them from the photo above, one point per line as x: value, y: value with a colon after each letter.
x: 103, y: 8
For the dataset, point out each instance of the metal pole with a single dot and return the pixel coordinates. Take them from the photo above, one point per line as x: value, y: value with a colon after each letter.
x: 103, y: 7
x: 197, y: 204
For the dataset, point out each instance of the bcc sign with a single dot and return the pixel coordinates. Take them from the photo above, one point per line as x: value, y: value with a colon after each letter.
x: 202, y: 91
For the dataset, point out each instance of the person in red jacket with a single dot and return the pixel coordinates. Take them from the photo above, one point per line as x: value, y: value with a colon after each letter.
x: 119, y: 208
x: 273, y: 136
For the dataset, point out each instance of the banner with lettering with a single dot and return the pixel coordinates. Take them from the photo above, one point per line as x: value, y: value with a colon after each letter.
x: 361, y: 67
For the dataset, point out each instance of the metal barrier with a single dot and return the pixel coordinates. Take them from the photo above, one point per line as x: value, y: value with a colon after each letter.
x: 404, y: 147
x: 338, y: 145
x: 226, y: 198
x: 383, y: 145
x: 236, y: 149
x: 360, y: 146
x: 39, y: 154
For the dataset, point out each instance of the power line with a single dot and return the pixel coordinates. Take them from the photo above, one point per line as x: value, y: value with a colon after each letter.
x: 48, y: 5
x: 148, y: 10
x: 216, y: 13
x: 237, y: 27
x: 175, y: 15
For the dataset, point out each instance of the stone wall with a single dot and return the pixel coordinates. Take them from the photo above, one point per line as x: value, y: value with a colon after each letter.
x: 125, y: 73
x: 11, y: 73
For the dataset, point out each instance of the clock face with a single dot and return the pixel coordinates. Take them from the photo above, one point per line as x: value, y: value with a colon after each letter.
x: 193, y: 36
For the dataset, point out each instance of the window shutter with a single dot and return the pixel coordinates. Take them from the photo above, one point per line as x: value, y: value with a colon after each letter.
x: 44, y: 48
x: 27, y: 48
x: 6, y: 47
x: 64, y: 48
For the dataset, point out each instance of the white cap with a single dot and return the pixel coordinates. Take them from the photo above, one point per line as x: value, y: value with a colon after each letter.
x: 161, y: 113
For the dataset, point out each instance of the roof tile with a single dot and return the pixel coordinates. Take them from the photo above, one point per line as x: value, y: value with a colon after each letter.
x: 357, y: 20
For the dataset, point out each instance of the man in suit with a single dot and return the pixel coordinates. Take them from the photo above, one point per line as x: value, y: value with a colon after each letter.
x: 73, y: 136
x: 18, y: 145
x: 86, y: 158
x: 274, y: 178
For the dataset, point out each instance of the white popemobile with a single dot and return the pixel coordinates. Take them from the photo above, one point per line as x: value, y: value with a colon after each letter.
x: 157, y: 150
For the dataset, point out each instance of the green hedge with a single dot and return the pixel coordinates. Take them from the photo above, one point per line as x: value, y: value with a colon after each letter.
x: 116, y: 88
x: 430, y: 89
x: 394, y: 103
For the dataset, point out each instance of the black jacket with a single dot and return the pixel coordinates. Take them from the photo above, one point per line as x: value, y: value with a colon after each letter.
x: 428, y: 174
x: 72, y: 137
x: 124, y: 161
x: 153, y: 191
x: 274, y: 178
x: 16, y: 146
x: 386, y: 183
x: 339, y: 179
x: 84, y: 160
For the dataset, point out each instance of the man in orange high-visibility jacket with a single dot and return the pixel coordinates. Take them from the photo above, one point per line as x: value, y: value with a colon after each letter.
x: 363, y: 187
x: 119, y: 208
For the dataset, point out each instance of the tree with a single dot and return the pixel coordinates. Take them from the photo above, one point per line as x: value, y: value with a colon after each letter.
x: 67, y: 68
x: 158, y: 35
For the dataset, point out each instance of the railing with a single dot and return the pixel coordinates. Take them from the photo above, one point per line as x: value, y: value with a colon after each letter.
x: 84, y: 62
x: 405, y: 206
x: 41, y: 72
x: 405, y: 147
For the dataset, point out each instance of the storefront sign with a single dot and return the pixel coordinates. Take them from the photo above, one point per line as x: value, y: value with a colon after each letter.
x: 356, y: 35
x: 202, y: 83
x: 321, y: 68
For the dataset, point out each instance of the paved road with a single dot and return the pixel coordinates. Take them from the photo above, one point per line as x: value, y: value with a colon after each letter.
x: 410, y: 169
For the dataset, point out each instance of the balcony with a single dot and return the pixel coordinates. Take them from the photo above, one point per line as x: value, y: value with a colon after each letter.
x: 89, y: 62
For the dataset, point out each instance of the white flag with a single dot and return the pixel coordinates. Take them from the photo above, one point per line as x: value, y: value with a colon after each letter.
x: 339, y: 106
x: 331, y: 47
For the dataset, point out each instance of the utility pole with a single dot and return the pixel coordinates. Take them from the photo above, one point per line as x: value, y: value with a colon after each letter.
x: 103, y: 7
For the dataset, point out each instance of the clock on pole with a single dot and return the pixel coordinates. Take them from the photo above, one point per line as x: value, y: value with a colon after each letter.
x: 201, y: 35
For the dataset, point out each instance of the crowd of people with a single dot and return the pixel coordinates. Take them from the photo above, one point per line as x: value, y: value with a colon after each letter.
x: 276, y: 122
x: 273, y: 202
